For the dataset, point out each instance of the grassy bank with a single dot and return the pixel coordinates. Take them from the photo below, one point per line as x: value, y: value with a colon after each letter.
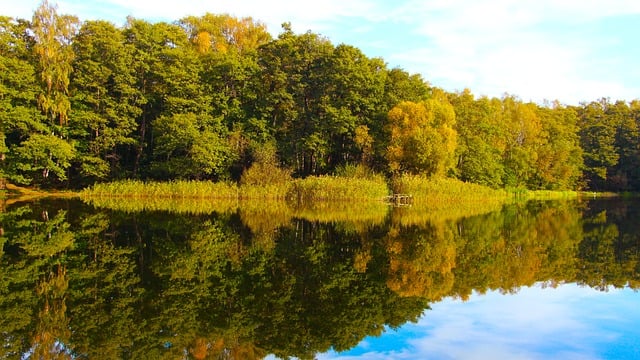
x: 445, y: 192
x: 431, y: 198
x: 321, y: 188
x: 436, y: 200
x: 435, y: 193
x: 524, y: 195
x: 137, y: 189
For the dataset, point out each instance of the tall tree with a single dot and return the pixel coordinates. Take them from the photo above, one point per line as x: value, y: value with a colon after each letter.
x: 598, y: 141
x: 168, y: 76
x: 479, y: 155
x: 19, y: 89
x: 289, y: 98
x: 353, y: 90
x: 402, y: 86
x: 522, y: 138
x: 559, y: 162
x: 185, y: 146
x: 626, y: 173
x: 105, y: 102
x: 53, y: 35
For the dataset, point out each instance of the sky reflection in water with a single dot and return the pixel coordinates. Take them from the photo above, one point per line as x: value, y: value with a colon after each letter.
x: 568, y: 322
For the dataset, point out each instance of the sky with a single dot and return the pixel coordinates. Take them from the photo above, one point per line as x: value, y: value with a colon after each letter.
x: 572, y: 51
x: 568, y: 322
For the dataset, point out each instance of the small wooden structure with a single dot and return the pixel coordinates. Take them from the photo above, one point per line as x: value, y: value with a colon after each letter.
x: 399, y: 199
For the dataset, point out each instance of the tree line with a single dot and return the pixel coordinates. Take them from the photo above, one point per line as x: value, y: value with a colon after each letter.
x: 206, y: 96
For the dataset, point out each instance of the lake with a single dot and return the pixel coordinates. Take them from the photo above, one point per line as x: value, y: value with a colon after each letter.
x: 252, y: 280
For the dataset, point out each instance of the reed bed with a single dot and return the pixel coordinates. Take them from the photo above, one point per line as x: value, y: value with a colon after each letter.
x: 179, y: 189
x: 264, y: 192
x: 308, y: 189
x: 441, y: 199
x: 443, y: 192
x: 546, y: 195
x: 334, y: 188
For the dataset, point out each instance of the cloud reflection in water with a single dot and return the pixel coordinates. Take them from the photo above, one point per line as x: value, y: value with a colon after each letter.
x: 568, y: 322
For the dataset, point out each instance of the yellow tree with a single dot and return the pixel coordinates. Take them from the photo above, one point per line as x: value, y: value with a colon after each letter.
x: 422, y: 137
x: 53, y: 34
x: 523, y: 137
x: 224, y: 32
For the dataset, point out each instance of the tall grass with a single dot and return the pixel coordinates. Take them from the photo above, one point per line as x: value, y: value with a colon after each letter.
x: 444, y: 191
x: 524, y: 195
x: 323, y: 188
x: 180, y: 189
x: 439, y: 199
x: 303, y: 190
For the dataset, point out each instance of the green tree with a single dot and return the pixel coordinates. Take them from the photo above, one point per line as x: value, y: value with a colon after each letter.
x: 40, y: 156
x: 598, y: 142
x: 19, y: 88
x: 290, y: 97
x: 105, y: 102
x: 167, y: 75
x: 625, y: 174
x: 401, y: 86
x: 352, y: 93
x: 186, y: 147
x: 479, y: 154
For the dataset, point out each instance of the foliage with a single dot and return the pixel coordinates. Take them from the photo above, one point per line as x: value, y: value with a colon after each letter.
x: 186, y: 148
x: 53, y: 35
x: 422, y: 139
x: 265, y: 171
x: 41, y: 156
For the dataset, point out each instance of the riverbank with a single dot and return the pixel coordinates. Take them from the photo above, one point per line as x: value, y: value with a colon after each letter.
x: 315, y: 188
x: 423, y: 191
x: 12, y: 193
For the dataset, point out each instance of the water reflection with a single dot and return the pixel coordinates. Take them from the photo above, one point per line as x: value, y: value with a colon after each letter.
x: 242, y: 283
x: 567, y: 322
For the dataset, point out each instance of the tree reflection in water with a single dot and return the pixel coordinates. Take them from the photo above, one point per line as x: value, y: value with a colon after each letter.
x: 81, y: 282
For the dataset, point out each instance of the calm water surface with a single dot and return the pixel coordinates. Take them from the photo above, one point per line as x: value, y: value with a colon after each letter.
x: 251, y: 281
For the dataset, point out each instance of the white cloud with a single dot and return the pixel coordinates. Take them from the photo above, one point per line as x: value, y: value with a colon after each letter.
x: 535, y: 49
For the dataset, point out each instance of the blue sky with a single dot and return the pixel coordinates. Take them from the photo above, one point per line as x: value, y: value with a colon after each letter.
x: 568, y: 322
x: 569, y: 50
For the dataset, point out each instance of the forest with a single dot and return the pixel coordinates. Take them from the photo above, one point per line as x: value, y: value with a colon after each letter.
x: 209, y: 97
